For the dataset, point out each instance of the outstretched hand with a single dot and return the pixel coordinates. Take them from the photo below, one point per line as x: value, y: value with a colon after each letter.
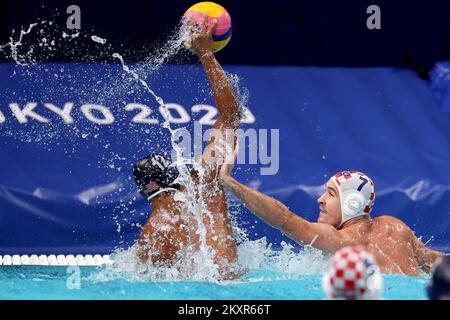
x: 200, y: 36
x: 228, y: 163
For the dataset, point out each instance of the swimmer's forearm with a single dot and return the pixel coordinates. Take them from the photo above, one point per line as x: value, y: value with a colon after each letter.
x: 322, y: 236
x: 267, y: 208
x: 222, y: 89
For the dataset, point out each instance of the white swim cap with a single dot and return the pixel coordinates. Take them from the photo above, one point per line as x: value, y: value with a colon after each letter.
x: 357, y: 194
x: 353, y: 275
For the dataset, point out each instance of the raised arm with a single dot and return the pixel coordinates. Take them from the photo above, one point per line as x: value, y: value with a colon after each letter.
x: 321, y: 236
x: 224, y: 96
x: 222, y: 89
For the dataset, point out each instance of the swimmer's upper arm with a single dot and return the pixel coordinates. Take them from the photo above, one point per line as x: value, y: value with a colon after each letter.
x: 228, y: 120
x: 320, y: 235
x: 223, y: 92
x: 426, y: 257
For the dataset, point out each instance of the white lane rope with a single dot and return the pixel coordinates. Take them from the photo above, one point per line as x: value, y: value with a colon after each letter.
x: 55, y: 260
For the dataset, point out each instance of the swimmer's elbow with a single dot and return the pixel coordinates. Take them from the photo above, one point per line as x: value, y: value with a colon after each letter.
x: 142, y: 254
x: 324, y: 237
x: 300, y: 230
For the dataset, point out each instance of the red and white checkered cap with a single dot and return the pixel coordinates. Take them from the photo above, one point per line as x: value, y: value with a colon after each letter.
x: 354, y: 275
x: 350, y: 183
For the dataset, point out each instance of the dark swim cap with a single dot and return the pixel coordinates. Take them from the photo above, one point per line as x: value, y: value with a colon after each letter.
x: 155, y: 174
x: 440, y: 281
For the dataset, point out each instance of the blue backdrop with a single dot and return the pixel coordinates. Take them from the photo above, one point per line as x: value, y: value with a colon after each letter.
x: 66, y: 185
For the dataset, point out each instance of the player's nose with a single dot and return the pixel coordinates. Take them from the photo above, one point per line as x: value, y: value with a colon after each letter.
x: 321, y: 199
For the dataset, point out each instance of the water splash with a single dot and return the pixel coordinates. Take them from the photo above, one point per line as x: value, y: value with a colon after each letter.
x: 252, y: 256
x: 14, y: 45
x: 195, y: 265
x: 98, y: 39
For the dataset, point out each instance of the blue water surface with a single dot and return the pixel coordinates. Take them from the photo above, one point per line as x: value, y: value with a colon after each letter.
x: 37, y: 282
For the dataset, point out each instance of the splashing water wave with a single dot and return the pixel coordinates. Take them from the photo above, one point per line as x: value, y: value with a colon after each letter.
x: 196, y: 265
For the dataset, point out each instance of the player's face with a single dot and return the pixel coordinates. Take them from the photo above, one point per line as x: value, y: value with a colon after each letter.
x: 330, y: 205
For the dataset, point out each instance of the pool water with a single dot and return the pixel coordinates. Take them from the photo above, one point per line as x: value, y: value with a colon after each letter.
x: 42, y: 282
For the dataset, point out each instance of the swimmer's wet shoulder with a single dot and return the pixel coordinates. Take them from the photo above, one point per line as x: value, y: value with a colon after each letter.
x: 389, y: 240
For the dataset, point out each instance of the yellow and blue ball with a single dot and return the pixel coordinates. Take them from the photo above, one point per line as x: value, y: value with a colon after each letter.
x: 222, y: 34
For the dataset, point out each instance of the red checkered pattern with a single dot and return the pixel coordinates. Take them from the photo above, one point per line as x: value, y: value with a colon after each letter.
x: 347, y: 277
